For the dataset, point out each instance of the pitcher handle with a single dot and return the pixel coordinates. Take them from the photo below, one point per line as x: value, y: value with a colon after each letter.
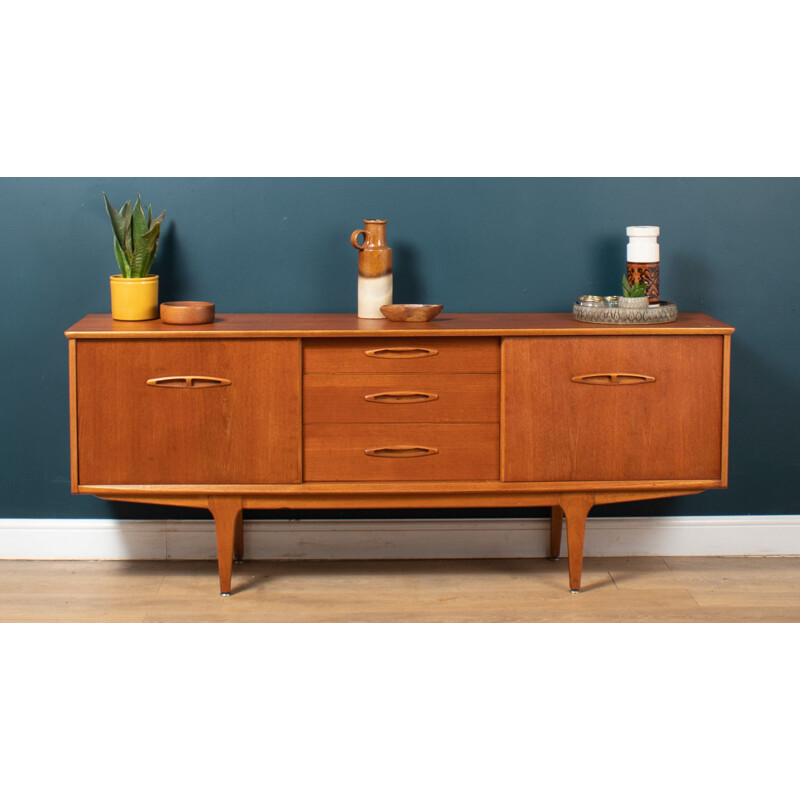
x: 354, y: 239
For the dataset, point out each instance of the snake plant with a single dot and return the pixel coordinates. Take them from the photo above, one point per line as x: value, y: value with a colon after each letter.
x: 135, y: 237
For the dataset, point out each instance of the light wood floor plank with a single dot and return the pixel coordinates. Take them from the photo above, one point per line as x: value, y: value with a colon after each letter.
x: 647, y: 589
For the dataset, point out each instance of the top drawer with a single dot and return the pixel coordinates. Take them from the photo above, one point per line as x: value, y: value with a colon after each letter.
x: 395, y: 355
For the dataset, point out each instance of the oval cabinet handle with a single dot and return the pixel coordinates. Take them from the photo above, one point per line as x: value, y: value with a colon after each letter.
x: 401, y: 352
x: 188, y: 382
x: 401, y: 397
x: 613, y: 379
x: 401, y: 451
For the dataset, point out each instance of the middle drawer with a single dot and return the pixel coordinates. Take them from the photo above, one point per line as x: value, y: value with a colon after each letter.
x: 401, y: 398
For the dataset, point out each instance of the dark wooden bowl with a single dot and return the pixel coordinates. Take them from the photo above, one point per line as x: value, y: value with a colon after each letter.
x: 187, y: 312
x: 410, y: 312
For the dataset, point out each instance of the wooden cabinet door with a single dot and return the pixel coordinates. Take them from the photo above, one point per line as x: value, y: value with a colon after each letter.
x: 189, y: 411
x: 613, y: 408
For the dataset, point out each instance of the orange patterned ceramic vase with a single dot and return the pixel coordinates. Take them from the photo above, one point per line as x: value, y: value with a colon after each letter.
x: 643, y: 257
x: 374, y: 268
x: 646, y: 274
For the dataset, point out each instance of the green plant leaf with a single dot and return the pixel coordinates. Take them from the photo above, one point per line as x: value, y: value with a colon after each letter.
x: 145, y: 253
x: 626, y: 287
x: 139, y: 222
x: 154, y: 251
x: 159, y: 219
x: 117, y: 223
x: 632, y: 289
x: 124, y: 267
x: 149, y: 216
x: 127, y: 235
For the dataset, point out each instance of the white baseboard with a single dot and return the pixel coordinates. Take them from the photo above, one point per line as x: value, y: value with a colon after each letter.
x: 107, y: 539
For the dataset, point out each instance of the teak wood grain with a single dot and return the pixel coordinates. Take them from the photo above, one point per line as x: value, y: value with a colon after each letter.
x: 245, y: 432
x: 227, y: 513
x: 307, y: 326
x: 269, y: 411
x: 399, y: 494
x: 560, y: 430
x: 464, y: 451
x: 412, y: 397
x: 401, y: 355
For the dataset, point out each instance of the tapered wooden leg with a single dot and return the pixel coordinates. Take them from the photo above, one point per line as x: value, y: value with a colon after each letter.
x: 227, y: 513
x: 576, y: 509
x: 238, y: 542
x: 556, y: 524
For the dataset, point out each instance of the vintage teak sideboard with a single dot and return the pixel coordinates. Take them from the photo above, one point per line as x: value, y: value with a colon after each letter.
x: 296, y: 411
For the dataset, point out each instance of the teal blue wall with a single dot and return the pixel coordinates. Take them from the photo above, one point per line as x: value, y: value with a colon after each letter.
x: 730, y: 248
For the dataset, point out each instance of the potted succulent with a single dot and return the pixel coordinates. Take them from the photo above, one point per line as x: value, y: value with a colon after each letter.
x: 134, y: 293
x: 634, y: 295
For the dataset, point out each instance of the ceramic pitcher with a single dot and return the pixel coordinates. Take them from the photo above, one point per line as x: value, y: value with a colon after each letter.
x: 374, y: 268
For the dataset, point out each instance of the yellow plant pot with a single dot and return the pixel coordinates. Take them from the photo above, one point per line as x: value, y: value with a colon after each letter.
x: 134, y: 298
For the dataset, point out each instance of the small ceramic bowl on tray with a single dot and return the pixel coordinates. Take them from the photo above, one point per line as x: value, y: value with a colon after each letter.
x: 410, y: 312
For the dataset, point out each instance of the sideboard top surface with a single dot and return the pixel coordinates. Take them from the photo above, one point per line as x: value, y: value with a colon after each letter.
x: 100, y: 326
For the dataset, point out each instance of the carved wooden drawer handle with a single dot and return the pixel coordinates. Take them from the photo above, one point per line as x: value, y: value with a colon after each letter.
x: 401, y: 397
x: 401, y: 451
x: 401, y: 352
x: 188, y: 382
x: 613, y: 379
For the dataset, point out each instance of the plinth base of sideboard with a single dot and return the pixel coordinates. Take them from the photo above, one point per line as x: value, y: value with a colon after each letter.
x: 227, y: 503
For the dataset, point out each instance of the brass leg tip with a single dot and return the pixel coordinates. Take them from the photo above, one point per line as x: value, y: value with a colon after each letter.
x: 574, y: 591
x: 224, y: 594
x: 238, y: 561
x: 553, y: 558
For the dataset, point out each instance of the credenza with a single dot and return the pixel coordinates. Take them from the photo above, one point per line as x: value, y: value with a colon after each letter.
x: 327, y: 411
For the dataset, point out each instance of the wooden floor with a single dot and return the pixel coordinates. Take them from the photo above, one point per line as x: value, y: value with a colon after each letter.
x: 652, y: 589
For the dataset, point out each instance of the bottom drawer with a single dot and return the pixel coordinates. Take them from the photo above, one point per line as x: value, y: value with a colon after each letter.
x: 401, y: 452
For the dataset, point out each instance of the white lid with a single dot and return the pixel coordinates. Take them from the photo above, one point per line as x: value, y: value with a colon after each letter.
x: 643, y: 230
x: 643, y: 244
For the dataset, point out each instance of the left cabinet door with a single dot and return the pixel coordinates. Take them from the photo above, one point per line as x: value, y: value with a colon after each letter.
x: 191, y: 411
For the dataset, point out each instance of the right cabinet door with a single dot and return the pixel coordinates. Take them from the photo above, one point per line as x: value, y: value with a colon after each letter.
x: 613, y: 408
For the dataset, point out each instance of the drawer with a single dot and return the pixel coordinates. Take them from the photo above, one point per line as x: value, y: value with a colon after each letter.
x: 398, y: 452
x: 402, y: 355
x: 401, y: 398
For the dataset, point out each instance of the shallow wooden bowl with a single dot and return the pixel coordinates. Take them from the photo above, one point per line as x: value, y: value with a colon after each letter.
x: 410, y: 312
x: 187, y: 312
